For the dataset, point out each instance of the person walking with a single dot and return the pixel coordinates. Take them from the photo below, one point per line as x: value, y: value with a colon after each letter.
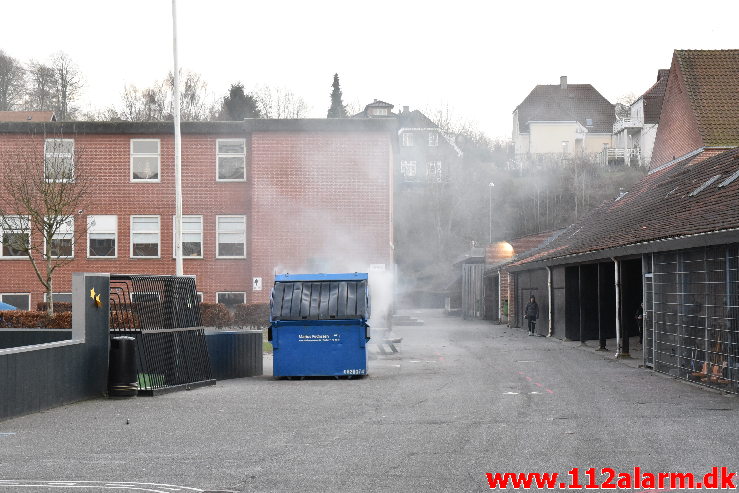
x: 639, y: 317
x: 531, y: 313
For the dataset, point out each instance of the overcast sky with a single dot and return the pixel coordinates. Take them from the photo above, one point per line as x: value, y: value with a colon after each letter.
x: 478, y: 58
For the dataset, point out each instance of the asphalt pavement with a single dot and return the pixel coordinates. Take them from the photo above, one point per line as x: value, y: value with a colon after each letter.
x: 459, y: 399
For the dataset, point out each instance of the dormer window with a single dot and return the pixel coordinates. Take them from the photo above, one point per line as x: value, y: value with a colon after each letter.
x: 588, y: 122
x: 378, y: 111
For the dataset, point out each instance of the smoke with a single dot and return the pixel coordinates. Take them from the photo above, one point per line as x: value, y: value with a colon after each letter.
x: 323, y: 205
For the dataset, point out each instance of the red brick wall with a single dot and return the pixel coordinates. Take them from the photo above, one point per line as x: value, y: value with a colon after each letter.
x: 678, y: 132
x: 321, y: 201
x: 314, y: 194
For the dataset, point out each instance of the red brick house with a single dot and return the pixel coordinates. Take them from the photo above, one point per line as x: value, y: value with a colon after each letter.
x: 259, y: 197
x: 700, y: 106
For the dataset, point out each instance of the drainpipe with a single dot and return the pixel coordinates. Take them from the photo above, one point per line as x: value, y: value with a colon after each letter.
x: 500, y: 301
x: 550, y: 293
x: 618, y: 305
x: 621, y: 351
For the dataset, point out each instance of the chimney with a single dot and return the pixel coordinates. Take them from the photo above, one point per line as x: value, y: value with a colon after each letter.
x: 406, y: 109
x: 563, y: 82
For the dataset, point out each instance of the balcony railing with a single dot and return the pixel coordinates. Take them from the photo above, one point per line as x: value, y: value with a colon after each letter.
x: 627, y: 123
x: 613, y: 155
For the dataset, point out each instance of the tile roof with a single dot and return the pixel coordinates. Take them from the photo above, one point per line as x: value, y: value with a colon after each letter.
x: 654, y: 96
x: 576, y: 102
x: 661, y: 206
x: 415, y: 119
x: 27, y: 116
x: 712, y: 82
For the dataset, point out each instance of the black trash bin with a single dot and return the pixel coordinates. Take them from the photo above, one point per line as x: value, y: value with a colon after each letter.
x: 122, y: 376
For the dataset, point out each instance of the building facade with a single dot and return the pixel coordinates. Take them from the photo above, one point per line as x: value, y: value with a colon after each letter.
x: 634, y: 135
x: 560, y: 121
x: 259, y: 197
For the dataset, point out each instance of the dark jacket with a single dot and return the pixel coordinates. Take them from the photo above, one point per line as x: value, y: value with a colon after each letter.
x: 532, y: 311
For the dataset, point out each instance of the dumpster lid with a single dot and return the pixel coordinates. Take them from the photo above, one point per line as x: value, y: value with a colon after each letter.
x: 320, y: 297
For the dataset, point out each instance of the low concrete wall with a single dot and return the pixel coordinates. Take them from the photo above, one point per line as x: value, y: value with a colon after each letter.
x: 11, y: 338
x: 235, y: 354
x: 42, y: 376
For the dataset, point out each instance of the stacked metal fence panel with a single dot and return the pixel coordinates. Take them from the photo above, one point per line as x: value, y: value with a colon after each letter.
x: 694, y: 315
x: 163, y: 314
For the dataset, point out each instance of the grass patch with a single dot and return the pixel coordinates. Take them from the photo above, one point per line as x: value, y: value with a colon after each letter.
x: 150, y: 380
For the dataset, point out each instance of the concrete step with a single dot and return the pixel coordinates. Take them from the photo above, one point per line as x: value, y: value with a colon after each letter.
x: 406, y: 320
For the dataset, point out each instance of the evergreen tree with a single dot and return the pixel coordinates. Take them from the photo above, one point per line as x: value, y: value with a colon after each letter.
x: 337, y: 109
x: 239, y: 105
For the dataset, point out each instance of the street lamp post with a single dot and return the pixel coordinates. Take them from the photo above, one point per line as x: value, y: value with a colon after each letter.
x: 490, y: 211
x: 177, y: 150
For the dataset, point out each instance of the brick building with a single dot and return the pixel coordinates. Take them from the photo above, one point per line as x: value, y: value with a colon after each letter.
x: 259, y: 197
x: 700, y: 106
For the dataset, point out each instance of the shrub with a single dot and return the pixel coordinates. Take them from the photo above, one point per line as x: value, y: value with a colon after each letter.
x: 255, y: 315
x: 35, y: 320
x: 215, y: 315
x: 59, y: 306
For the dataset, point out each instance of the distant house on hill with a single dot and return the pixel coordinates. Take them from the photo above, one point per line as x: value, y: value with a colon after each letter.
x: 634, y: 135
x: 561, y: 121
x: 700, y: 111
x: 426, y: 153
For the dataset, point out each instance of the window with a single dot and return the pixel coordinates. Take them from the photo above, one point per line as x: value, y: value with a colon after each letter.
x: 192, y: 237
x: 231, y: 299
x: 433, y: 139
x: 231, y: 156
x: 59, y: 159
x: 200, y: 296
x: 21, y: 301
x: 433, y: 171
x: 16, y: 236
x: 61, y: 297
x: 408, y: 169
x: 62, y: 243
x: 378, y: 111
x: 588, y: 122
x: 145, y: 297
x: 407, y: 139
x: 102, y: 235
x: 231, y: 232
x: 145, y: 160
x: 565, y: 146
x: 145, y: 236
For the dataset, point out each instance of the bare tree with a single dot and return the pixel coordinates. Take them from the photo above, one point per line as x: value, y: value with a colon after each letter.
x: 12, y: 82
x: 43, y: 190
x: 41, y: 91
x: 154, y: 103
x: 278, y: 102
x: 68, y: 84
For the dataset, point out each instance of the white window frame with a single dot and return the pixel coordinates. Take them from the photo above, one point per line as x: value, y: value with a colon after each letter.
x: 62, y: 234
x: 408, y: 166
x: 114, y: 232
x: 146, y: 154
x: 218, y: 234
x: 174, y: 246
x: 2, y: 247
x: 407, y: 139
x: 226, y: 154
x: 28, y: 295
x: 231, y: 292
x: 55, y: 295
x: 435, y: 177
x: 200, y: 296
x: 53, y: 154
x: 433, y: 139
x: 159, y: 237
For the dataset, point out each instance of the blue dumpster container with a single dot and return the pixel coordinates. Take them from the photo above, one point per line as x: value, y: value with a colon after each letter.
x: 318, y: 325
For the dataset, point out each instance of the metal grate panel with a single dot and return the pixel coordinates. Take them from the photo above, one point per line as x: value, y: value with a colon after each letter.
x: 695, y: 328
x: 163, y: 314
